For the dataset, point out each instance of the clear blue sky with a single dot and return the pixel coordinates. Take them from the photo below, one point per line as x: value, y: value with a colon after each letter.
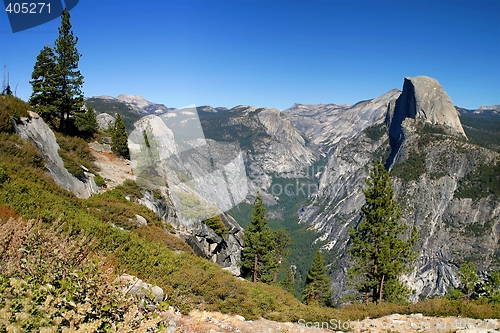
x: 272, y: 53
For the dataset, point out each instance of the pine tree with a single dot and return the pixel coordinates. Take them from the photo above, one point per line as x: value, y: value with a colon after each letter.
x: 87, y: 122
x: 288, y: 282
x: 119, y: 138
x: 492, y: 287
x: 257, y: 260
x: 70, y: 80
x: 282, y: 241
x: 317, y: 287
x: 45, y: 96
x: 468, y: 278
x: 380, y: 254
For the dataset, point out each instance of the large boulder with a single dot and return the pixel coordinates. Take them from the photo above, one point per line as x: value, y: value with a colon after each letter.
x: 34, y: 129
x: 104, y: 121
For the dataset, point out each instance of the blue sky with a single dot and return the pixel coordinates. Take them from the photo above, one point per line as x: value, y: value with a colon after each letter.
x: 272, y: 53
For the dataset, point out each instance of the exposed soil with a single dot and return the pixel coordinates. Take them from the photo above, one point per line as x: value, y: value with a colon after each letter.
x: 115, y: 170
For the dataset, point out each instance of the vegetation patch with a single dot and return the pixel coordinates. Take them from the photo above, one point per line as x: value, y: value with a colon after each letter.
x: 433, y: 129
x: 485, y: 180
x: 376, y: 131
x: 17, y: 150
x: 411, y: 168
x: 75, y: 152
x: 482, y: 130
x: 215, y: 223
x: 13, y: 106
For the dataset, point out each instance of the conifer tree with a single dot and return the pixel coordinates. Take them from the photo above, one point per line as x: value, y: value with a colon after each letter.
x: 282, y: 241
x: 70, y: 80
x: 45, y: 96
x: 380, y: 253
x: 257, y: 260
x: 288, y: 282
x: 87, y: 121
x: 468, y: 278
x: 119, y: 138
x: 317, y: 287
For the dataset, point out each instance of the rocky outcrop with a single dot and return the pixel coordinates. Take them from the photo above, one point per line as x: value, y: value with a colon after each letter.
x: 268, y: 139
x: 142, y: 106
x: 286, y: 140
x: 132, y: 285
x: 226, y: 252
x: 104, y: 121
x: 424, y: 100
x: 434, y: 172
x: 33, y: 128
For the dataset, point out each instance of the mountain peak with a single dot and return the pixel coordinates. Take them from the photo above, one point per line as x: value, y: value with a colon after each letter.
x: 424, y: 100
x: 431, y: 104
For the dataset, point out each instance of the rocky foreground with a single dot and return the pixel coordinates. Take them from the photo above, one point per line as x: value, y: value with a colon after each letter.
x: 214, y: 322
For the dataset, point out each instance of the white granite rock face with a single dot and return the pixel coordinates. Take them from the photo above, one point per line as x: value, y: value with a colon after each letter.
x: 34, y: 129
x: 424, y: 100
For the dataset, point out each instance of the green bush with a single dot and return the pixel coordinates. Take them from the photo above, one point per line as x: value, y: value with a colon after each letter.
x: 15, y: 149
x: 99, y: 181
x: 215, y: 223
x: 75, y: 152
x: 14, y: 107
x: 62, y: 285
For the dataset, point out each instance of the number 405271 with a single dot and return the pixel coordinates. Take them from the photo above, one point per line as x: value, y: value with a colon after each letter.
x: 27, y: 7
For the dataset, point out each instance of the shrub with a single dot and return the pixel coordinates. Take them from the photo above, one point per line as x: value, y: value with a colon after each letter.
x: 16, y: 150
x: 99, y: 181
x: 59, y: 285
x: 75, y: 152
x: 14, y: 106
x: 131, y: 189
x: 6, y: 125
x: 215, y: 223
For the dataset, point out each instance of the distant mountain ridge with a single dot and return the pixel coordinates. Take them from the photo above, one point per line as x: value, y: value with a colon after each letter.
x: 309, y: 162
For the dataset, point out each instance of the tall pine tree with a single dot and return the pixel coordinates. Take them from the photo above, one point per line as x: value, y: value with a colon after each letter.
x: 258, y: 260
x: 282, y: 241
x: 46, y: 95
x: 57, y: 82
x: 119, y: 138
x: 70, y: 80
x: 317, y: 287
x: 380, y: 253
